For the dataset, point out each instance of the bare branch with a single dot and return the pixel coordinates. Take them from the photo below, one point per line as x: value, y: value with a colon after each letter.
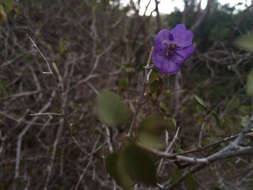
x: 158, y: 19
x: 141, y: 97
x: 202, y: 16
x: 42, y: 55
x: 21, y: 135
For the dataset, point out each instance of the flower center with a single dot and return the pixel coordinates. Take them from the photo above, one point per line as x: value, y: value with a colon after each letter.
x: 172, y: 47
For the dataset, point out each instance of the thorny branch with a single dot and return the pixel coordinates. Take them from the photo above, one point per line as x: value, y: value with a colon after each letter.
x: 66, y: 149
x: 21, y: 135
x: 232, y: 150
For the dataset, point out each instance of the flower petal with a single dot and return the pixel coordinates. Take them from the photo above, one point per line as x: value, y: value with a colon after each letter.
x: 181, y: 55
x: 161, y: 36
x: 169, y: 67
x: 185, y: 53
x: 182, y: 37
x: 178, y: 59
x: 165, y: 65
x: 158, y: 60
x: 168, y: 59
x: 160, y: 49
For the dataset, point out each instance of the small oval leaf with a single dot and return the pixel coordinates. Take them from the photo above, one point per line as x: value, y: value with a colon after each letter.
x: 111, y: 166
x: 200, y: 101
x: 150, y: 131
x: 117, y: 171
x: 139, y: 164
x: 249, y: 86
x: 111, y: 109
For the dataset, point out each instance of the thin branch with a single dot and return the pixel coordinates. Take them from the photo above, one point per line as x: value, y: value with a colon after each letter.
x: 173, y: 157
x: 94, y: 150
x: 21, y: 135
x: 168, y: 149
x: 246, y: 130
x: 64, y: 99
x: 42, y: 55
x: 158, y: 19
x: 46, y: 113
x: 232, y: 150
x: 146, y: 8
x: 202, y: 16
x: 215, y: 157
x: 108, y: 137
x: 141, y: 97
x: 201, y: 134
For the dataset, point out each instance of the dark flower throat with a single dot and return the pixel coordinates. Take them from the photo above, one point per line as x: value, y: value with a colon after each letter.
x: 170, y: 49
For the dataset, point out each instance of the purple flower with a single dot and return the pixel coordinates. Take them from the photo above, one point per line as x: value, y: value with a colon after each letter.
x: 172, y: 48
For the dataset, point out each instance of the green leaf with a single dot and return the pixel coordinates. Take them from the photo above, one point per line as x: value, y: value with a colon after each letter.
x: 123, y: 83
x: 128, y: 68
x: 117, y: 171
x: 175, y: 176
x: 249, y: 86
x: 139, y: 164
x: 191, y: 183
x: 150, y: 131
x: 246, y: 42
x: 3, y: 14
x: 149, y: 140
x: 131, y: 163
x: 245, y: 120
x: 75, y: 106
x: 156, y: 85
x: 8, y: 4
x: 216, y: 116
x: 200, y: 101
x: 165, y: 108
x: 4, y: 89
x: 111, y: 109
x: 179, y: 150
x: 111, y: 166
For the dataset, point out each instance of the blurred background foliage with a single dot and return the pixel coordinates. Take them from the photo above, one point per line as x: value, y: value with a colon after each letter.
x: 101, y: 44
